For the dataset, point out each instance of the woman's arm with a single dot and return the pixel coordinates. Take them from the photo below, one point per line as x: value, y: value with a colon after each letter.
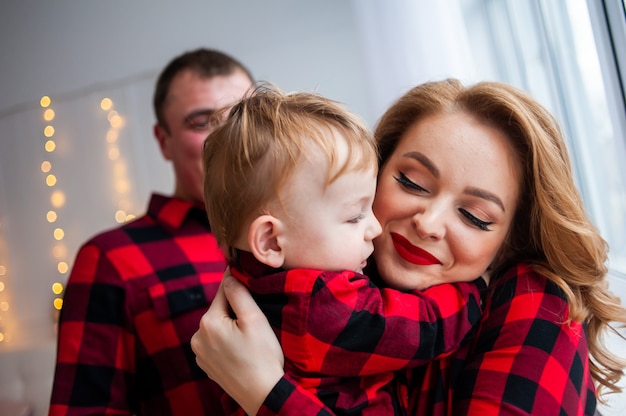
x: 244, y: 357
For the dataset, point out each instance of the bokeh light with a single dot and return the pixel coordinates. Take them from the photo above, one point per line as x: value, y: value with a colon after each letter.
x: 51, y: 180
x: 51, y: 216
x: 50, y: 146
x: 57, y: 288
x: 106, y: 104
x: 57, y: 199
x: 48, y: 115
x: 59, y: 233
x: 62, y: 267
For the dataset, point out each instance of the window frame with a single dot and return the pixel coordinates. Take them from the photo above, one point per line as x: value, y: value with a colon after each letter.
x: 608, y: 22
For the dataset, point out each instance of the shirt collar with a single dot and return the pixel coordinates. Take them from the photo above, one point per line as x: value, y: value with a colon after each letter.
x: 247, y: 262
x: 171, y: 212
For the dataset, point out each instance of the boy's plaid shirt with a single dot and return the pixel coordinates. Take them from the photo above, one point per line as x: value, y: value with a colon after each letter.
x: 343, y: 338
x: 523, y: 360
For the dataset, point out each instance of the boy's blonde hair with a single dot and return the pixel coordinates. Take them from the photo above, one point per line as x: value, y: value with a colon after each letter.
x: 254, y: 152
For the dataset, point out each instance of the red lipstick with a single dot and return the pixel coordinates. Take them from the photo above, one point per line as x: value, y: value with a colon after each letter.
x: 411, y: 253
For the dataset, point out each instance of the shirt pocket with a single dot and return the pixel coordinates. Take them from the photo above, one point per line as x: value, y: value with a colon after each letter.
x: 176, y: 297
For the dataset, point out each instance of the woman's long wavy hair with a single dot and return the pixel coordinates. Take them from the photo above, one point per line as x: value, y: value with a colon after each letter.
x: 550, y: 230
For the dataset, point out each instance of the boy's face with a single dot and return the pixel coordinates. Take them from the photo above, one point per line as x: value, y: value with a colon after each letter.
x: 328, y: 228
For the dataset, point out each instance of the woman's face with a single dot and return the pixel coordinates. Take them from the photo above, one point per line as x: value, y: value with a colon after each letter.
x: 445, y: 199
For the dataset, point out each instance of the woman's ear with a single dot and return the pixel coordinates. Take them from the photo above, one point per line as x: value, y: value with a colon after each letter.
x: 263, y: 239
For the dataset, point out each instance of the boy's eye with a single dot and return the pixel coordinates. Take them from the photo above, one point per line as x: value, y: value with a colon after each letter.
x: 407, y: 183
x: 483, y: 225
x: 356, y: 219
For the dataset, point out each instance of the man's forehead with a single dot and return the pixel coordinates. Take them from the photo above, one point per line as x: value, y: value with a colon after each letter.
x: 209, y: 93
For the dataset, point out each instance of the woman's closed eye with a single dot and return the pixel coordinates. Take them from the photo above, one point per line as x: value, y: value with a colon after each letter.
x: 483, y: 225
x: 405, y: 182
x: 408, y: 184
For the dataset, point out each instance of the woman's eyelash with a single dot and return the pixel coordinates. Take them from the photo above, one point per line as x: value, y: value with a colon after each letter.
x: 483, y: 225
x: 407, y: 183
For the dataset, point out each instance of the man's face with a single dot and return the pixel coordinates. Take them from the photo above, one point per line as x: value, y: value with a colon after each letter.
x: 190, y: 102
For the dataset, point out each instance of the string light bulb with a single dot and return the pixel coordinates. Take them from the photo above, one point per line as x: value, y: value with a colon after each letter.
x: 51, y: 180
x: 51, y: 216
x: 59, y: 233
x: 50, y: 146
x: 121, y: 183
x: 57, y: 288
x: 57, y: 200
x: 106, y: 104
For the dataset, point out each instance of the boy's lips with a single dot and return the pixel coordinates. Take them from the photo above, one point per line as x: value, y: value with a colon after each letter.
x: 411, y: 253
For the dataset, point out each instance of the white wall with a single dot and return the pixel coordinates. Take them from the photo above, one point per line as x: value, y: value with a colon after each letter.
x: 66, y: 45
x: 78, y: 52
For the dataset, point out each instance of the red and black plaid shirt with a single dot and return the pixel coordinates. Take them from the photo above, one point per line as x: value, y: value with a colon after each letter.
x: 133, y: 300
x: 523, y: 360
x: 343, y: 337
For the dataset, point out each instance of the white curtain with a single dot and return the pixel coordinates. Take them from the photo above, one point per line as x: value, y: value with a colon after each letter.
x: 407, y: 42
x: 100, y: 168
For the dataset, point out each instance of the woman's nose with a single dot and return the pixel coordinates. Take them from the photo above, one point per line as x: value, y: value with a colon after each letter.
x: 429, y: 222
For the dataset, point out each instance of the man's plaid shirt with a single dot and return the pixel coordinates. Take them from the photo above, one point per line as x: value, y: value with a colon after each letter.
x: 133, y: 300
x: 343, y: 337
x: 523, y: 360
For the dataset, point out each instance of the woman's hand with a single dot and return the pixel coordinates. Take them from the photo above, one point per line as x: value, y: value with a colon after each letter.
x: 242, y: 355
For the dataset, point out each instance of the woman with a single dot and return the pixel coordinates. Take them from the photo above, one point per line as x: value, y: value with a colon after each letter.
x: 538, y: 347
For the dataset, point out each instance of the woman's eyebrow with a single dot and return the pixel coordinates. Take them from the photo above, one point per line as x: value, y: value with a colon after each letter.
x: 424, y: 160
x: 481, y: 193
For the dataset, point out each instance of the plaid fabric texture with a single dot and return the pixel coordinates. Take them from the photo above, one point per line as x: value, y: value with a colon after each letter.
x: 133, y: 300
x: 524, y: 360
x: 343, y: 337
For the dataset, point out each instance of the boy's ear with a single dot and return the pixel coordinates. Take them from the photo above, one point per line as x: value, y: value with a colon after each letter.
x: 263, y: 239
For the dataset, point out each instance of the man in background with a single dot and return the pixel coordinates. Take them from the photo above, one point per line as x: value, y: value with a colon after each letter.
x: 136, y: 293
